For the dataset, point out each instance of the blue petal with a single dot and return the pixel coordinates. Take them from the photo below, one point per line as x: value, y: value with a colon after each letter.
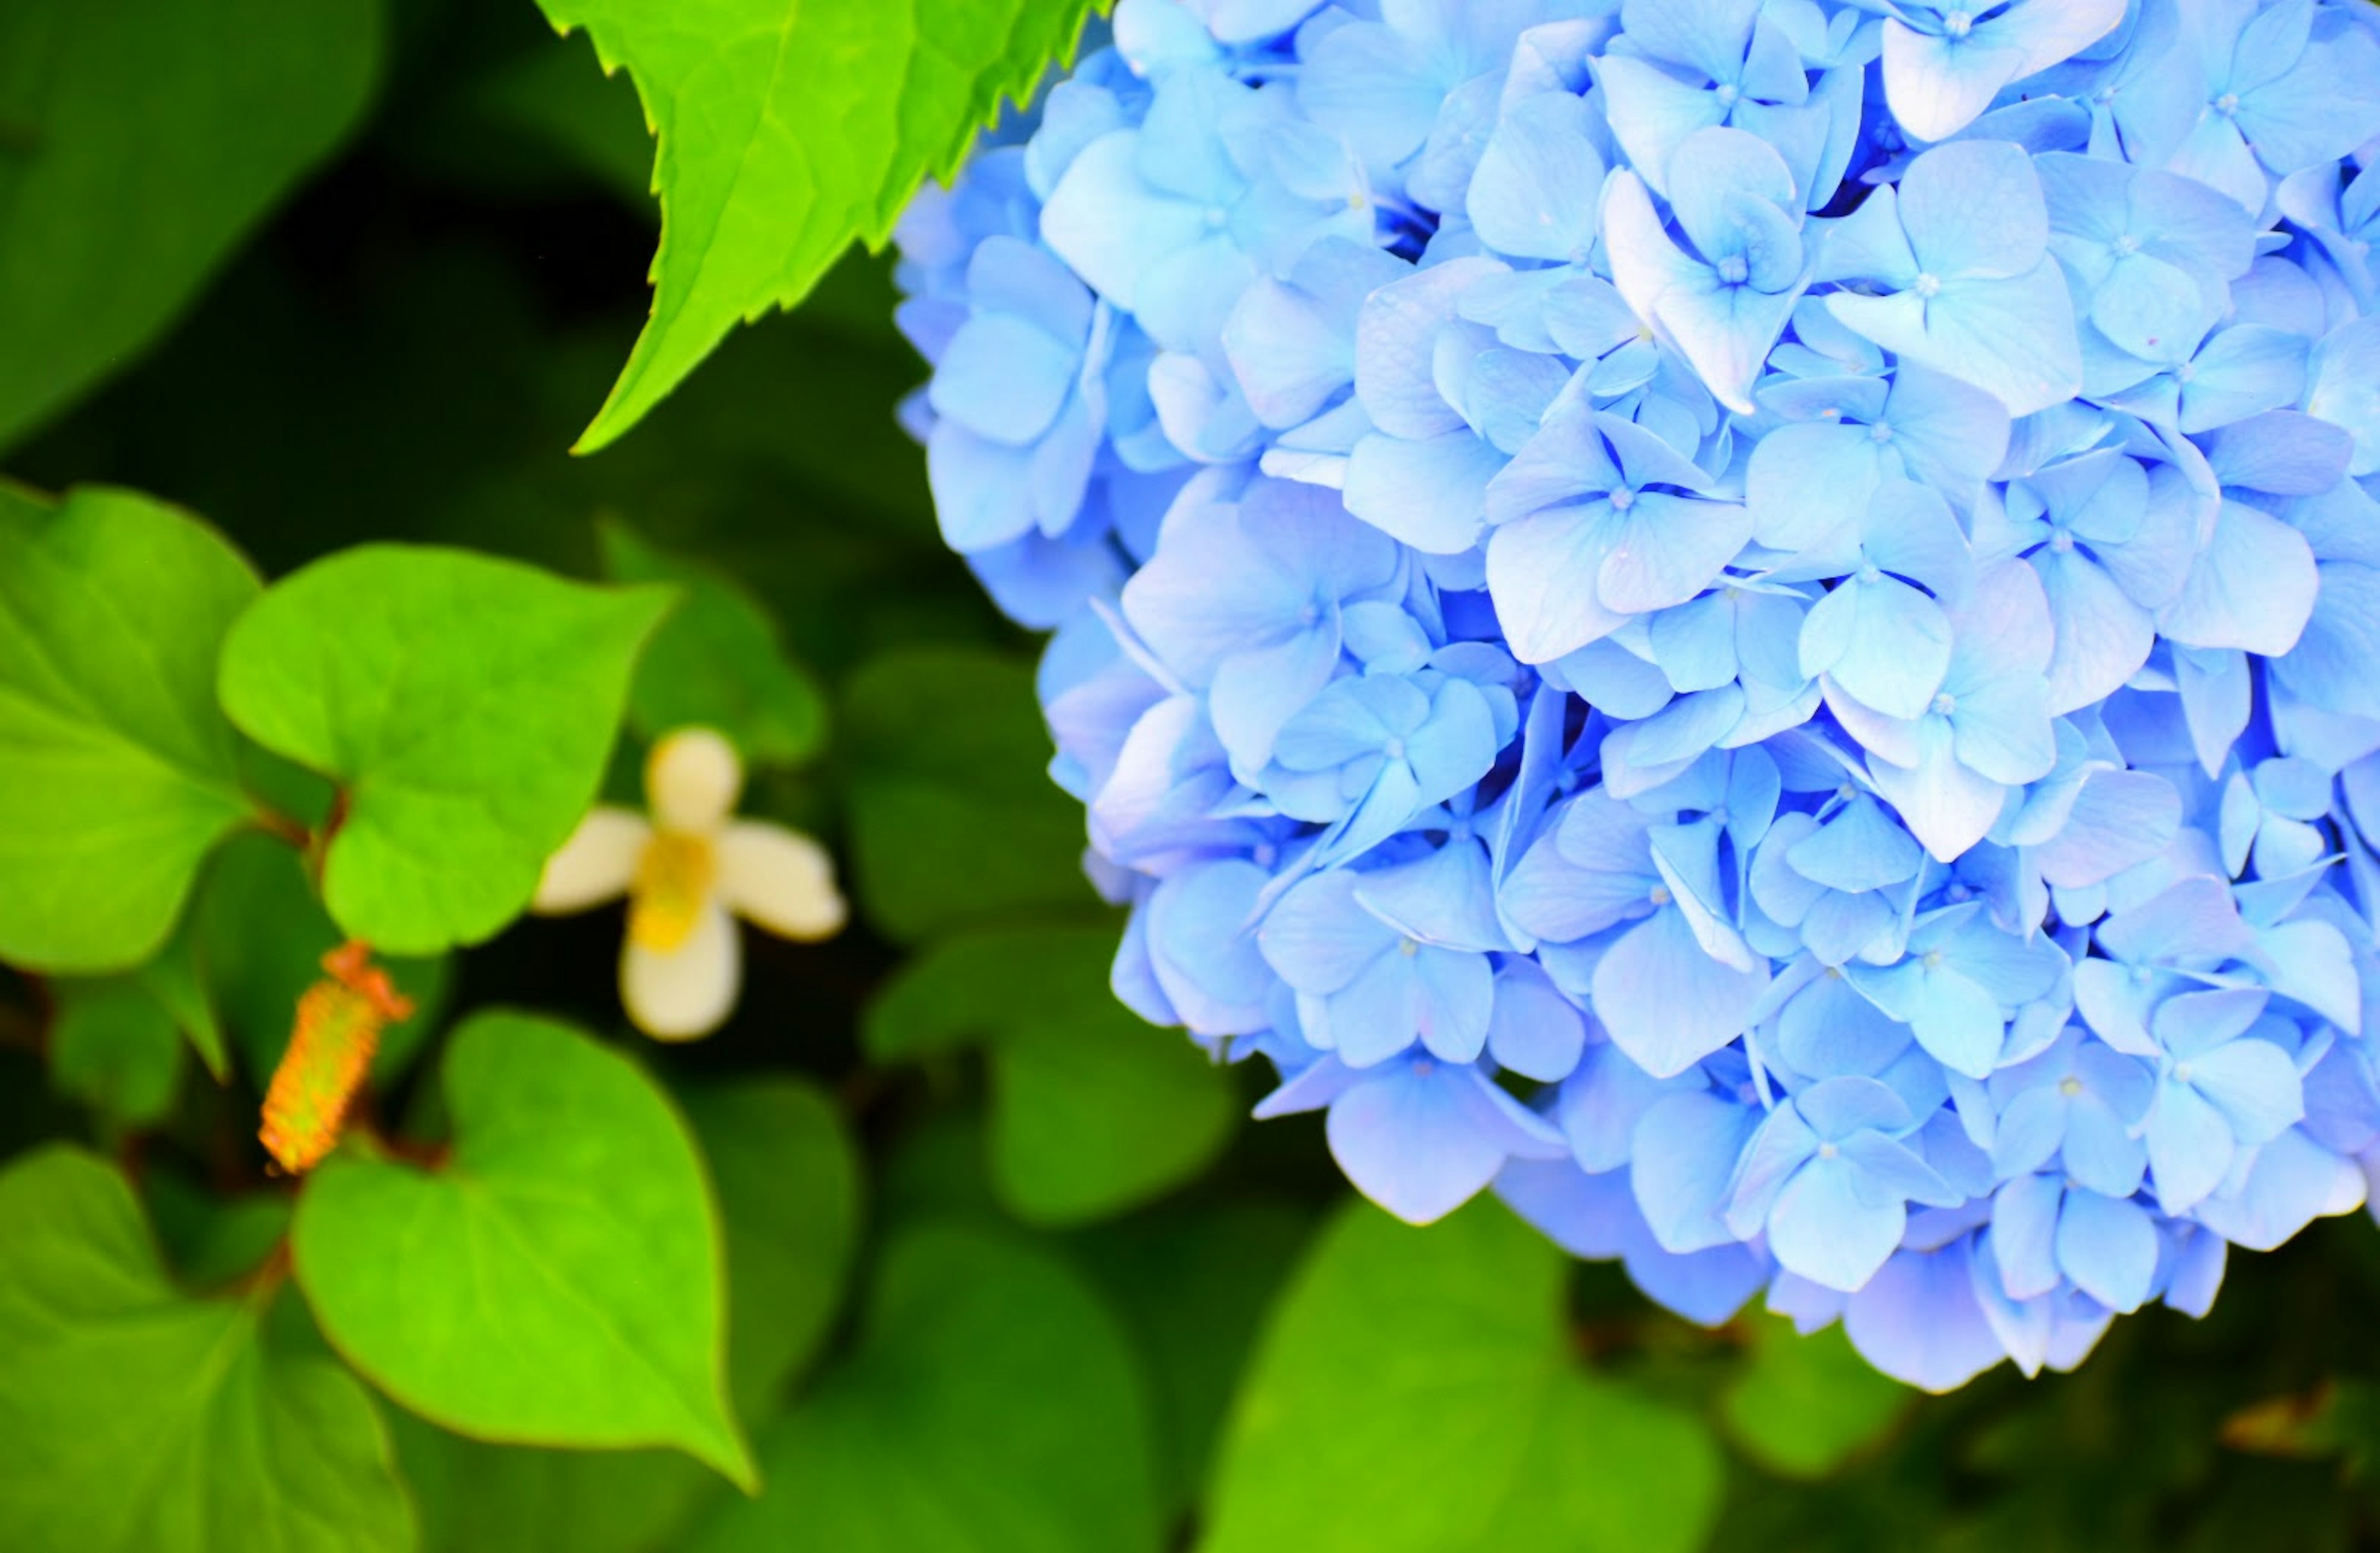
x: 1667, y: 1003
x: 2110, y: 1249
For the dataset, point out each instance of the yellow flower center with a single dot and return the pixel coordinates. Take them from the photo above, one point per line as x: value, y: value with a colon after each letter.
x: 675, y: 877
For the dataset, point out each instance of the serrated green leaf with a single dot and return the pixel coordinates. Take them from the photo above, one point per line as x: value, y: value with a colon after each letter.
x: 716, y: 662
x: 788, y: 129
x: 1803, y: 1406
x: 1094, y: 1112
x: 1443, y: 1350
x: 558, y: 1280
x: 140, y: 1421
x: 953, y: 817
x: 788, y: 1195
x: 464, y: 704
x: 118, y: 774
x: 993, y: 1405
x: 261, y: 936
x: 138, y: 146
x: 115, y: 1047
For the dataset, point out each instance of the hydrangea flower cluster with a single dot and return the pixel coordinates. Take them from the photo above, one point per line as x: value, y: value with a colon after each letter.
x: 1756, y: 623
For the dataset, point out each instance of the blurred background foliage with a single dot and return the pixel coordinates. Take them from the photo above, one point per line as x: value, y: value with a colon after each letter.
x: 1005, y: 1271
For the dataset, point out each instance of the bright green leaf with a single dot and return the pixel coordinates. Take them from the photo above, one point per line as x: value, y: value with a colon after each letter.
x: 1192, y: 1285
x: 788, y: 129
x: 1417, y: 1390
x: 788, y: 1194
x: 557, y: 1281
x: 140, y: 1421
x: 1094, y: 1112
x: 1803, y: 1406
x: 466, y: 705
x: 113, y: 1047
x: 953, y: 816
x: 174, y: 980
x: 138, y: 145
x: 118, y: 774
x: 716, y: 662
x: 992, y: 1407
x: 261, y: 936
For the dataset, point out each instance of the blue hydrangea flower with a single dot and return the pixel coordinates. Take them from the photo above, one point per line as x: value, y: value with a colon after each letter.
x: 1754, y: 624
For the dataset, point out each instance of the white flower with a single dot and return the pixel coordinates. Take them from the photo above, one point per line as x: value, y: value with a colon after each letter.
x: 688, y: 873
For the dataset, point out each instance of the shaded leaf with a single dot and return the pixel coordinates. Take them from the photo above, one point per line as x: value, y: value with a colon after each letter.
x: 992, y: 1407
x: 953, y: 816
x: 557, y: 1281
x: 465, y: 704
x: 115, y: 1046
x: 142, y: 1421
x: 1093, y: 1111
x: 716, y: 662
x: 138, y: 146
x: 1803, y: 1406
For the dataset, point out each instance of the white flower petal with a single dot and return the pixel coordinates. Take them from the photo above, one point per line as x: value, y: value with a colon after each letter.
x: 596, y: 865
x: 687, y: 991
x: 692, y: 779
x: 779, y: 879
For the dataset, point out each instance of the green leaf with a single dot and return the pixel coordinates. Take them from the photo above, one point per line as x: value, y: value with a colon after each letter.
x: 789, y: 1193
x: 260, y: 937
x: 1417, y: 1390
x: 1094, y: 1112
x: 1803, y: 1406
x: 558, y: 1280
x: 118, y: 774
x: 113, y: 1047
x: 788, y: 129
x: 716, y: 662
x: 992, y: 1406
x: 174, y: 980
x: 142, y: 1421
x: 466, y: 705
x: 1192, y: 1285
x: 138, y: 146
x: 953, y: 816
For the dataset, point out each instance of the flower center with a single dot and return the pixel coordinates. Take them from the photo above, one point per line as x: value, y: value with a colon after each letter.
x: 2228, y: 105
x: 1957, y: 24
x: 1928, y: 285
x: 1660, y: 895
x: 1728, y: 93
x: 1394, y: 749
x: 1829, y: 1149
x: 2127, y: 244
x: 2070, y: 1086
x: 1408, y: 947
x: 1217, y: 215
x: 1880, y: 432
x: 2182, y: 1073
x: 1622, y: 499
x: 1733, y: 270
x: 1933, y: 960
x: 1945, y: 703
x: 2061, y: 541
x: 675, y: 880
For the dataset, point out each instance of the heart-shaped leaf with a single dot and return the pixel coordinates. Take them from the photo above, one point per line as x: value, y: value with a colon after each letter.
x: 993, y: 1404
x: 1094, y: 1112
x: 141, y: 1421
x: 466, y: 705
x: 557, y: 1281
x: 118, y: 774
